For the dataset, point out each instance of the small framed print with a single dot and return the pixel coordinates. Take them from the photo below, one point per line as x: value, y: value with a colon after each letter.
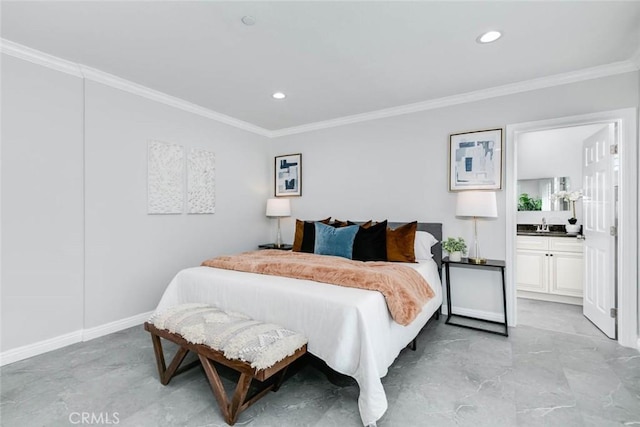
x: 475, y: 160
x: 288, y: 174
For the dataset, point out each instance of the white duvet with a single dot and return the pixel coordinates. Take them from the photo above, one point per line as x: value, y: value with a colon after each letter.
x: 350, y: 329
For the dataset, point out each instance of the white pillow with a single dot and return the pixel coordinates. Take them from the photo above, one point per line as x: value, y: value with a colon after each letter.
x: 423, y: 243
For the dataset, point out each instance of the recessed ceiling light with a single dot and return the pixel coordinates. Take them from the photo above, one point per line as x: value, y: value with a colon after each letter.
x: 279, y: 95
x: 248, y: 20
x: 489, y: 36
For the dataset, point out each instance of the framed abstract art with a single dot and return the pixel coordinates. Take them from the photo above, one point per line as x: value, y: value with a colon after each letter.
x: 288, y: 174
x: 475, y: 160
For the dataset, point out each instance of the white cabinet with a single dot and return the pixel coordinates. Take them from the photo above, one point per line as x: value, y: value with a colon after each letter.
x: 533, y: 271
x: 549, y: 265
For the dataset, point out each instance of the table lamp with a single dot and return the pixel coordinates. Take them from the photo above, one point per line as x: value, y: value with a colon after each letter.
x: 477, y: 204
x: 278, y: 208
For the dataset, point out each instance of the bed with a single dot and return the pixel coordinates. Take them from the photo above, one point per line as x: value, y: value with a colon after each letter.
x: 356, y: 335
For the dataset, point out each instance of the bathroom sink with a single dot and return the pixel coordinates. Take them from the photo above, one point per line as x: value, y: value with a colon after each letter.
x: 546, y: 233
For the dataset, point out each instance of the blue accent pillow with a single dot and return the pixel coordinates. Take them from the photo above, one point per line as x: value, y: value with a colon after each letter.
x: 335, y: 241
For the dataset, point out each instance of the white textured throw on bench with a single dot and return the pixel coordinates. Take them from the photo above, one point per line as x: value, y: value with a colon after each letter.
x: 234, y: 334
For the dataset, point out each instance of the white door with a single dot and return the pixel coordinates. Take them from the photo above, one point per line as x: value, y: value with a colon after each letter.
x: 599, y: 217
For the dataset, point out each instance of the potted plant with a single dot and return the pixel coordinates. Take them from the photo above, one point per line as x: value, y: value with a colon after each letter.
x: 455, y: 247
x: 573, y: 197
x: 528, y: 203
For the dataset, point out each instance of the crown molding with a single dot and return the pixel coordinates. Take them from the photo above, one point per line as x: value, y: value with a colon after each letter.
x: 113, y: 81
x: 479, y: 95
x: 37, y: 57
x: 82, y: 71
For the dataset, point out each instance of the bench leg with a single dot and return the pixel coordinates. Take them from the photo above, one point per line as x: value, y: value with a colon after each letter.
x: 237, y: 406
x: 166, y: 373
x: 239, y: 401
x: 217, y: 388
x: 280, y: 379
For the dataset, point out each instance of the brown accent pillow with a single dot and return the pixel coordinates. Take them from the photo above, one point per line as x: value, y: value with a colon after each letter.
x: 400, y: 243
x: 306, y: 235
x: 338, y: 224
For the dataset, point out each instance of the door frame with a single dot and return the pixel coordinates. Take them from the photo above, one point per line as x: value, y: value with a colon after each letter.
x: 627, y: 137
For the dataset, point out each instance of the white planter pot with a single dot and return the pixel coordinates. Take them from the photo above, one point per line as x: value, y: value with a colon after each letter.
x: 572, y: 228
x: 455, y: 256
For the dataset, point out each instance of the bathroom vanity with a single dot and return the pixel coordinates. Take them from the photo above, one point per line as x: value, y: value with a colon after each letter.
x: 549, y: 265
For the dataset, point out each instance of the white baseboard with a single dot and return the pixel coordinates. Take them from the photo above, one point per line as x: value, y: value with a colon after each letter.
x: 118, y: 325
x: 40, y: 347
x: 480, y: 314
x: 30, y: 350
x: 541, y: 296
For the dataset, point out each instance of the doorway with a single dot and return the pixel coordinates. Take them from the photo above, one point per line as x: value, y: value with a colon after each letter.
x: 550, y: 264
x: 626, y: 246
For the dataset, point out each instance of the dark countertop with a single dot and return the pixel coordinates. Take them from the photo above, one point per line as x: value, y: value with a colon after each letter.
x: 555, y: 230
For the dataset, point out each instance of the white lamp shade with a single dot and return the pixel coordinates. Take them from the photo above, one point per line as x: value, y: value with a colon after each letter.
x: 278, y: 207
x: 477, y: 204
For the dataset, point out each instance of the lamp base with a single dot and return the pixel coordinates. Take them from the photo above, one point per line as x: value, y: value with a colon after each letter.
x: 278, y: 236
x: 477, y: 260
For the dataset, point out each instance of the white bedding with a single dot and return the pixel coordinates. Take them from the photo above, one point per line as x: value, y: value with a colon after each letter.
x: 350, y: 329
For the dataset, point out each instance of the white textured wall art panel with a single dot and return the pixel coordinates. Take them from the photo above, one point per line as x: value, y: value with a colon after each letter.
x: 166, y: 178
x: 201, y: 181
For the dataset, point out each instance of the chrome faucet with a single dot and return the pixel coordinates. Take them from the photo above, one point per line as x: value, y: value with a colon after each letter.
x: 544, y: 227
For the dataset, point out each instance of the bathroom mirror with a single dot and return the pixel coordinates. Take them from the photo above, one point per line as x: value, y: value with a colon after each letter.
x: 535, y: 194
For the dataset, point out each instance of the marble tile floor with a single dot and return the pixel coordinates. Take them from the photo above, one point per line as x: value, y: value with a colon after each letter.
x: 556, y: 317
x: 457, y: 377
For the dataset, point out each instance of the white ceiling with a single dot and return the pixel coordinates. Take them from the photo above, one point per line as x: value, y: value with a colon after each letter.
x: 332, y: 59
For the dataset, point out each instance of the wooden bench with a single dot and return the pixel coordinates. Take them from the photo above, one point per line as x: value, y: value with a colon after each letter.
x: 193, y: 317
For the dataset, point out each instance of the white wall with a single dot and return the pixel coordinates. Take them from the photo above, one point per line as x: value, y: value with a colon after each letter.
x: 396, y: 168
x: 130, y: 255
x: 78, y: 248
x: 42, y: 224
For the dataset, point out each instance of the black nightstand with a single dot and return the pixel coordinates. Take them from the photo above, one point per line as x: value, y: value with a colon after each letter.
x: 284, y: 247
x: 490, y: 264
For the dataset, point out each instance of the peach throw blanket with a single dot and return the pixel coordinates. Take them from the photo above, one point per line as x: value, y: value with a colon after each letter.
x: 404, y: 289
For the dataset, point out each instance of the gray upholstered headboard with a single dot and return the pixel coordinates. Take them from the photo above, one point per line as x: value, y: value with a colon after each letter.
x: 434, y: 228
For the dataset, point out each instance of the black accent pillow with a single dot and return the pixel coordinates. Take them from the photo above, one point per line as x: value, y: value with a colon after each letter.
x: 370, y: 243
x: 308, y: 237
x: 305, y: 237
